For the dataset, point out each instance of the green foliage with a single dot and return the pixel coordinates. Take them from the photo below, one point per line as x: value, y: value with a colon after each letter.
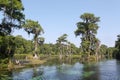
x: 7, y: 46
x: 10, y: 45
x: 117, y: 46
x: 6, y: 75
x: 103, y: 49
x: 61, y: 43
x: 35, y: 28
x: 41, y: 40
x: 45, y: 49
x: 13, y: 15
x: 62, y: 38
x: 88, y: 74
x: 23, y: 45
x: 107, y: 52
x: 4, y: 61
x: 110, y: 52
x: 20, y: 56
x: 64, y: 47
x: 87, y: 29
x: 53, y: 49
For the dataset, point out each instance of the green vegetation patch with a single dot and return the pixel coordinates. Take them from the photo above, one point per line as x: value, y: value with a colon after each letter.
x: 87, y: 74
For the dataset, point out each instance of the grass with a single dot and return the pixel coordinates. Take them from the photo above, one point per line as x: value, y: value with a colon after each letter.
x: 87, y: 74
x: 42, y: 59
x: 33, y: 62
x: 21, y: 57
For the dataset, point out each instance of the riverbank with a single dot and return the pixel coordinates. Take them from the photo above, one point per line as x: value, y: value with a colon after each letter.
x: 29, y: 61
x: 22, y: 63
x: 24, y: 60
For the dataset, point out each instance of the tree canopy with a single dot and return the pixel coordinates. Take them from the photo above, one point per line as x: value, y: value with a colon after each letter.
x: 13, y: 16
x: 87, y: 29
x: 117, y: 46
x: 34, y: 28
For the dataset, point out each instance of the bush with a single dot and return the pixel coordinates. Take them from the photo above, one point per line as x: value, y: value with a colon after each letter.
x: 92, y: 58
x: 23, y: 56
x: 4, y: 61
x: 20, y: 56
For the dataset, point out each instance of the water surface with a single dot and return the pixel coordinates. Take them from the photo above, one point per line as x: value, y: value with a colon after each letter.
x: 67, y: 69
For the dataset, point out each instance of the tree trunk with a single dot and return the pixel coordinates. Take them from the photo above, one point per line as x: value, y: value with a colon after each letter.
x: 60, y: 48
x: 36, y: 45
x: 97, y: 49
x: 36, y: 40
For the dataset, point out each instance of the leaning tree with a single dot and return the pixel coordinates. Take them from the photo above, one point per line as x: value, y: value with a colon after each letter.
x: 33, y: 27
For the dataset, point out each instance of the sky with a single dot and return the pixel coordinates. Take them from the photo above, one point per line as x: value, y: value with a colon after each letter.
x: 59, y: 17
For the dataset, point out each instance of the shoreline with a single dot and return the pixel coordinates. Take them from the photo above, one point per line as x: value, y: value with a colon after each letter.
x: 35, y: 62
x: 32, y: 62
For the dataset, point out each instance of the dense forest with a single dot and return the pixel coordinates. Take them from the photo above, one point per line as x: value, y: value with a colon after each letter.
x: 14, y: 18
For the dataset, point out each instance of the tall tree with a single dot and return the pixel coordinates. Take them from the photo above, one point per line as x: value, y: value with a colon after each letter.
x: 111, y: 52
x: 33, y: 27
x: 71, y: 49
x: 61, y: 40
x: 103, y: 50
x: 13, y: 15
x: 87, y: 29
x: 117, y: 46
x: 7, y: 47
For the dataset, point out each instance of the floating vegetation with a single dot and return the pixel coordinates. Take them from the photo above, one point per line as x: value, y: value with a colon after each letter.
x: 88, y: 74
x: 38, y: 78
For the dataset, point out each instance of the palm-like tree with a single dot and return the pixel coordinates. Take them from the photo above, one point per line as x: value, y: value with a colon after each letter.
x: 61, y: 40
x: 87, y: 29
x: 34, y: 28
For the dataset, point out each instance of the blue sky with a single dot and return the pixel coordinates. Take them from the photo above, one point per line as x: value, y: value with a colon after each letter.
x: 60, y: 16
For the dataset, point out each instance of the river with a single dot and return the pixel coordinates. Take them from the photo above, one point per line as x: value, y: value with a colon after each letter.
x: 67, y: 70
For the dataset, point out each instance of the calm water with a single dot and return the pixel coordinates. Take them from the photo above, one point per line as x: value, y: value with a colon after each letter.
x: 67, y: 69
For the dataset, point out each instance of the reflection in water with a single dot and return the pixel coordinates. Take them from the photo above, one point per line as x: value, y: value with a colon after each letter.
x: 90, y: 72
x: 25, y: 74
x: 67, y: 69
x: 118, y: 69
x: 70, y: 72
x: 5, y: 75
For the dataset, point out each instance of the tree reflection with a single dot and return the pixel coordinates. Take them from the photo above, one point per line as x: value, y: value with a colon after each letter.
x: 90, y: 72
x: 5, y: 75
